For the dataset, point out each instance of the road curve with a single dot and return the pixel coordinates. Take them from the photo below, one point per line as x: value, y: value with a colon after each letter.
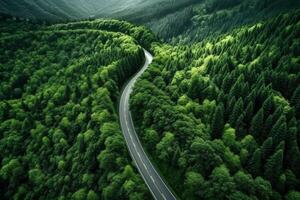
x: 155, y: 183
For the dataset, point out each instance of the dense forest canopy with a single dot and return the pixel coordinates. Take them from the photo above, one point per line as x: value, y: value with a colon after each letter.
x: 223, y: 115
x: 59, y: 132
x: 217, y: 111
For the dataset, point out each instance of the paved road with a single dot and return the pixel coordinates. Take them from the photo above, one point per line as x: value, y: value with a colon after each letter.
x: 156, y: 185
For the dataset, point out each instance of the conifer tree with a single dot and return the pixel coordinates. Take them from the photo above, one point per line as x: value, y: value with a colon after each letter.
x: 249, y: 112
x: 279, y: 130
x: 295, y: 161
x: 237, y: 111
x: 267, y: 148
x: 218, y: 122
x: 268, y: 105
x: 295, y: 101
x: 255, y: 163
x: 268, y: 125
x: 273, y: 166
x: 256, y: 127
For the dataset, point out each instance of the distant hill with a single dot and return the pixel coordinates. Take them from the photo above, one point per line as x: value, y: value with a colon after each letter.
x: 209, y: 18
x: 78, y: 9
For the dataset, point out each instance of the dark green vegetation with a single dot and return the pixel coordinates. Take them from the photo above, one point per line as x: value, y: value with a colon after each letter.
x: 222, y: 116
x: 172, y: 20
x: 59, y: 131
x: 209, y: 18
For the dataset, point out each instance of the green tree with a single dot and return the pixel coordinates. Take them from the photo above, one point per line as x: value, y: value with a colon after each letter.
x: 292, y: 195
x: 238, y: 109
x: 273, y: 166
x: 220, y: 184
x: 263, y: 188
x: 244, y: 183
x: 267, y: 148
x: 166, y: 147
x: 217, y: 122
x: 257, y: 123
x: 193, y: 185
x: 152, y: 138
x: 80, y: 194
x: 255, y: 163
x: 279, y: 130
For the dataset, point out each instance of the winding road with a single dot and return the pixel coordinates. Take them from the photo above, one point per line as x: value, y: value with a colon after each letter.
x: 155, y: 183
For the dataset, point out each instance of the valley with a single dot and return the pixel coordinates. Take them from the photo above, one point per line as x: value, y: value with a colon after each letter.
x: 141, y: 100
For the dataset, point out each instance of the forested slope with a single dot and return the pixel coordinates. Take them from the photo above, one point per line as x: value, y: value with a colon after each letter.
x: 210, y: 18
x: 222, y: 116
x: 59, y: 131
x: 174, y: 21
x: 132, y: 10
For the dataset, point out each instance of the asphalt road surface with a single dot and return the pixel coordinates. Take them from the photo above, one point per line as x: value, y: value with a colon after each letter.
x: 155, y: 183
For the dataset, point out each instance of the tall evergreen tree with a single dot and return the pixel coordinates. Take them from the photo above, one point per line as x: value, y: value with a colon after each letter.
x: 236, y: 112
x: 256, y: 127
x: 255, y: 163
x: 267, y: 148
x: 273, y: 166
x: 279, y: 130
x: 217, y: 125
x: 249, y: 112
x: 295, y: 101
x: 268, y: 105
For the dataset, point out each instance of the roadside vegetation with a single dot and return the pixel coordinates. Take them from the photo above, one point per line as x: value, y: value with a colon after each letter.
x: 221, y: 118
x: 59, y: 131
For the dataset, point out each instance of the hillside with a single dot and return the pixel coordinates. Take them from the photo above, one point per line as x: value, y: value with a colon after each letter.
x: 79, y: 9
x: 59, y: 131
x: 169, y: 99
x: 184, y: 21
x: 210, y: 18
x: 223, y: 115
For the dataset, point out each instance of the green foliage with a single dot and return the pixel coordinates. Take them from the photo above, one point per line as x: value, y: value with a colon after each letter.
x: 194, y: 182
x: 257, y: 124
x: 273, y: 166
x: 217, y: 122
x: 59, y: 130
x: 221, y: 184
x: 228, y: 101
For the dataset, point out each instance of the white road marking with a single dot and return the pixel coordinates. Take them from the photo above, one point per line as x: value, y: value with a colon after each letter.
x: 152, y: 179
x: 145, y: 166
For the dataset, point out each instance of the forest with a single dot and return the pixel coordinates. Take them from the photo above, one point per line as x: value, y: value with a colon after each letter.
x: 217, y: 111
x: 223, y: 114
x: 59, y: 131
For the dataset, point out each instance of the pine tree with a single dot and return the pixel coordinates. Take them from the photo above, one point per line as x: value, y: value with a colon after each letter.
x: 236, y: 89
x: 295, y: 101
x: 226, y: 83
x: 268, y: 106
x: 273, y: 167
x: 277, y: 114
x: 268, y: 125
x: 296, y: 97
x: 279, y: 130
x: 267, y: 148
x: 229, y: 107
x: 255, y: 163
x: 237, y: 111
x: 293, y: 152
x: 249, y: 112
x: 218, y: 122
x: 256, y: 127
